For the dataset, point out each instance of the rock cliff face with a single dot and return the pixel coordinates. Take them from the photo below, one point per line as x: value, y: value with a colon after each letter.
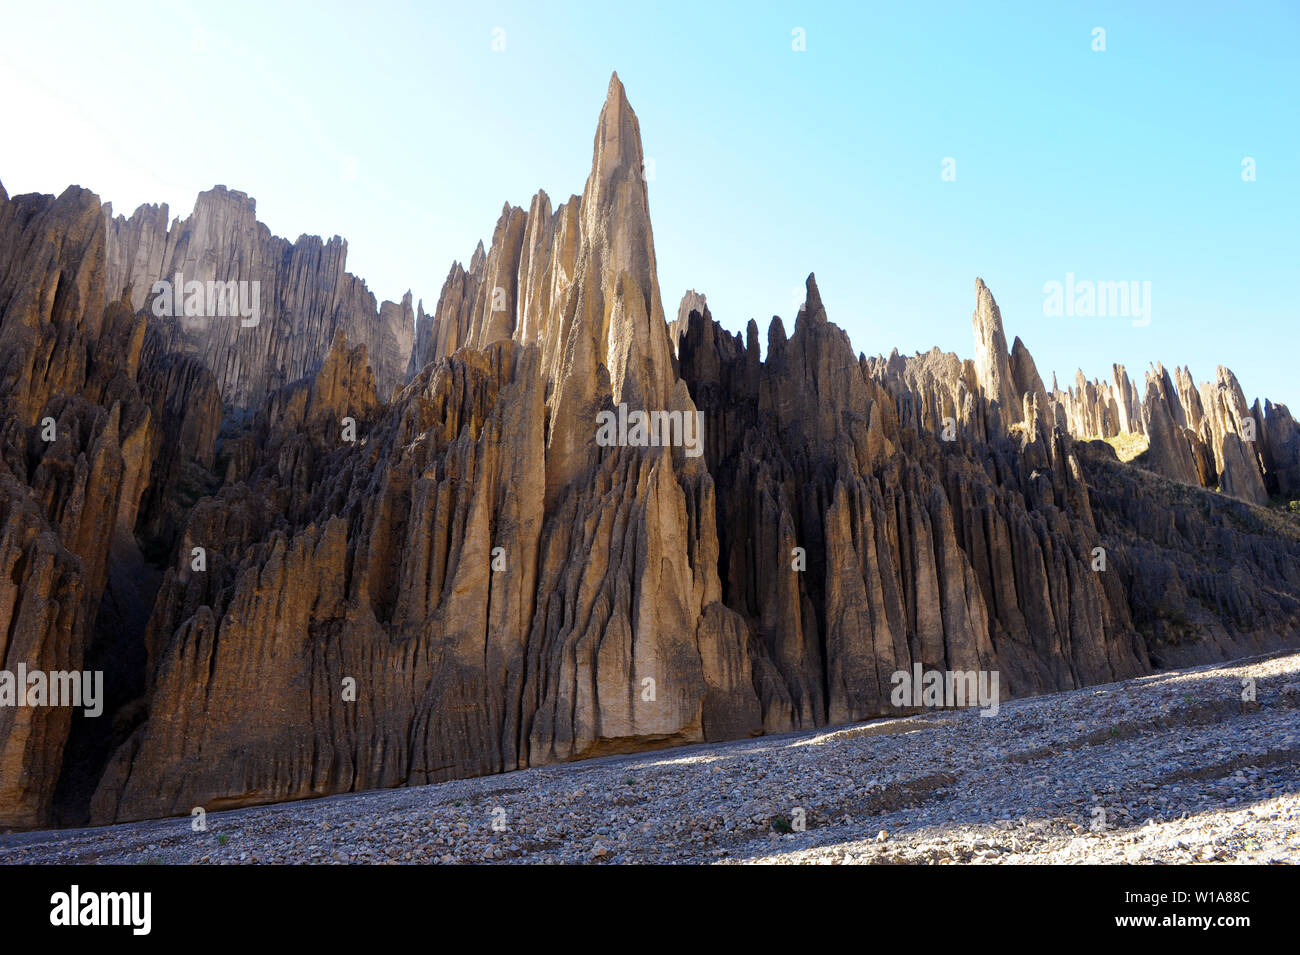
x: 915, y: 552
x: 1207, y: 437
x: 357, y: 547
x: 96, y: 422
x: 305, y: 296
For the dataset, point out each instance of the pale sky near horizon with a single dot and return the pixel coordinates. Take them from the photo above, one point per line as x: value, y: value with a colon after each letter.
x: 399, y: 127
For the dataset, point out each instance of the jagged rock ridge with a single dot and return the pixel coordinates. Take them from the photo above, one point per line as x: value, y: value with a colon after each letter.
x: 1207, y: 436
x: 306, y: 297
x: 458, y: 579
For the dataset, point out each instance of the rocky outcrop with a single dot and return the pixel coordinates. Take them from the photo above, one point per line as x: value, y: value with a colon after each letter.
x: 93, y: 430
x: 971, y: 573
x: 43, y: 607
x: 518, y: 630
x: 1029, y: 386
x: 1279, y: 448
x: 1232, y: 433
x: 312, y: 560
x: 1207, y: 437
x: 305, y: 295
x: 1098, y: 409
x: 993, y: 364
x: 1205, y: 575
x: 692, y: 301
x: 1172, y: 450
x: 936, y: 393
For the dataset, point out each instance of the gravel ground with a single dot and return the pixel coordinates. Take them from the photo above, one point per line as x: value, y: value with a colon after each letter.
x: 1170, y: 768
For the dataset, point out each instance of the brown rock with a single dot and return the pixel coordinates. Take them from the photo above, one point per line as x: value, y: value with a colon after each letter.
x: 470, y: 583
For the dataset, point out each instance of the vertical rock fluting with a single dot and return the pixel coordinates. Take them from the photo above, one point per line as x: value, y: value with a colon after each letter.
x: 43, y: 608
x: 381, y: 576
x: 1205, y: 574
x: 993, y: 363
x: 305, y: 295
x: 1207, y: 437
x: 1280, y: 448
x: 508, y: 630
x: 913, y: 554
x: 356, y: 547
x: 83, y: 441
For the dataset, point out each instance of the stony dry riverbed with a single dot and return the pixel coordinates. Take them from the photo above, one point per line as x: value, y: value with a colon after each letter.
x: 1174, y: 767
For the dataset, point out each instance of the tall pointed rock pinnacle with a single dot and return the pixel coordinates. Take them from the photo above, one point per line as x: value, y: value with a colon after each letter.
x: 581, y: 282
x: 617, y: 148
x: 616, y: 342
x: 812, y: 308
x: 992, y: 362
x: 618, y: 239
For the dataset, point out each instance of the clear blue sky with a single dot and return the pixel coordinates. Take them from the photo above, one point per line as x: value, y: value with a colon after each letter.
x: 398, y: 127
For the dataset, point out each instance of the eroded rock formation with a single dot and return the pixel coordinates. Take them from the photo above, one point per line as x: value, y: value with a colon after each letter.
x: 305, y: 295
x: 359, y: 546
x: 1207, y: 436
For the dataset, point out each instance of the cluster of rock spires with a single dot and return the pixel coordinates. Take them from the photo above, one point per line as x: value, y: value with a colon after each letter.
x: 306, y: 296
x: 1207, y: 436
x: 356, y: 547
